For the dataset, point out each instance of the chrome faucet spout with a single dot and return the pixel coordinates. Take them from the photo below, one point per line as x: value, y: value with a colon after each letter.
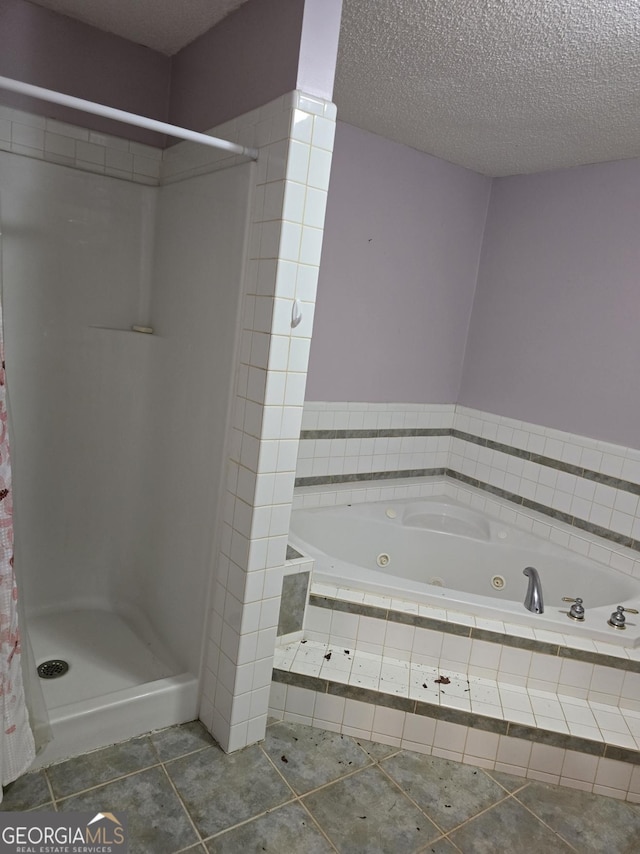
x: 533, y: 599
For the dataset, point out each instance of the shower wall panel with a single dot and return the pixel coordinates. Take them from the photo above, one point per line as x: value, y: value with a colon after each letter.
x: 199, y: 242
x: 77, y: 251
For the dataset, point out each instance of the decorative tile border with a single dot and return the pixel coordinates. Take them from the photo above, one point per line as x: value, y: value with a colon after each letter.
x: 474, y: 633
x: 621, y: 485
x: 362, y: 477
x: 540, y: 459
x: 380, y: 433
x: 458, y: 716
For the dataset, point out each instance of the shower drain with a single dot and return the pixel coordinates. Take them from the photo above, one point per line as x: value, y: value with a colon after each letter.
x: 52, y: 669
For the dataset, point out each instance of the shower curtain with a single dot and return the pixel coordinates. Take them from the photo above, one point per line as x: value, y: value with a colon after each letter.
x: 17, y: 747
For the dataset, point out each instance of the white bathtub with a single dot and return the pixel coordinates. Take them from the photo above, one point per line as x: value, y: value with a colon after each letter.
x: 440, y: 552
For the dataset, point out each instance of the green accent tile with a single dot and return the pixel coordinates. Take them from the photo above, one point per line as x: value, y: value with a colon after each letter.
x: 622, y: 754
x: 300, y: 680
x: 599, y: 658
x: 556, y: 739
x: 368, y: 695
x: 293, y: 602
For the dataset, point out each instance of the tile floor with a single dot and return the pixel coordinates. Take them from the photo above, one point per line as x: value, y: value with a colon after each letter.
x: 307, y: 791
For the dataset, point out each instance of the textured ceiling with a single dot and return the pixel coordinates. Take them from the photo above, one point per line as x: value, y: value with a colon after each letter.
x: 499, y: 86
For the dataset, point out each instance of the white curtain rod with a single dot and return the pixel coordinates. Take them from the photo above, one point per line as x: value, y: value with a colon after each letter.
x: 122, y: 116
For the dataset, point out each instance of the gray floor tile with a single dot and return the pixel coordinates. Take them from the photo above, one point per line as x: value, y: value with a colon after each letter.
x: 100, y: 766
x: 375, y: 750
x: 591, y: 823
x: 441, y: 846
x: 287, y: 830
x: 448, y: 792
x: 507, y: 829
x: 310, y: 757
x: 178, y: 740
x: 367, y: 813
x: 222, y: 790
x: 26, y: 792
x: 158, y: 823
x: 508, y: 781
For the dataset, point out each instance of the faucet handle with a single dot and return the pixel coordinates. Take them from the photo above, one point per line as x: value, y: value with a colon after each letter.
x: 617, y: 619
x: 576, y: 612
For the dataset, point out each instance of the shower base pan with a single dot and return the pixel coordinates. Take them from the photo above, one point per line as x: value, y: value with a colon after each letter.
x: 118, y: 685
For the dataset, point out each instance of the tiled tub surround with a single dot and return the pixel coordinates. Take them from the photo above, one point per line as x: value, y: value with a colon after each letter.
x: 492, y: 738
x: 545, y: 475
x: 517, y: 699
x: 564, y: 709
x: 438, y: 551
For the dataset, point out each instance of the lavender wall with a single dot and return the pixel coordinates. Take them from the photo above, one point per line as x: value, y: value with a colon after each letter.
x: 248, y: 59
x: 401, y: 246
x: 54, y: 51
x: 554, y: 333
x: 319, y: 47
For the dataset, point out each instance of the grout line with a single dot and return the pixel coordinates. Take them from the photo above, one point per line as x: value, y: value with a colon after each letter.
x: 440, y: 830
x: 525, y: 781
x: 54, y: 800
x: 184, y: 806
x: 189, y: 753
x: 529, y: 810
x: 245, y: 821
x: 317, y: 824
x: 197, y: 846
x: 273, y: 764
x: 107, y: 782
x: 375, y: 761
x: 428, y: 849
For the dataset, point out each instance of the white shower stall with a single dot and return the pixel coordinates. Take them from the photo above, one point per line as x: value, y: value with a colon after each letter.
x: 118, y: 435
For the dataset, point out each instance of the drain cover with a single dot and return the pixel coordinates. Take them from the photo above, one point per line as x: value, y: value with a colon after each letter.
x: 52, y: 669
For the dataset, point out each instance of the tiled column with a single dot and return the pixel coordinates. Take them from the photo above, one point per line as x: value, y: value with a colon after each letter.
x: 295, y: 139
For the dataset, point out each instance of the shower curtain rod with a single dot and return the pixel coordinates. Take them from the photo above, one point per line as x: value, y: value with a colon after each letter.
x: 122, y: 116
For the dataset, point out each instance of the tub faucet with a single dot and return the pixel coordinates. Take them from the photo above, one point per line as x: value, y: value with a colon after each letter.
x: 533, y: 599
